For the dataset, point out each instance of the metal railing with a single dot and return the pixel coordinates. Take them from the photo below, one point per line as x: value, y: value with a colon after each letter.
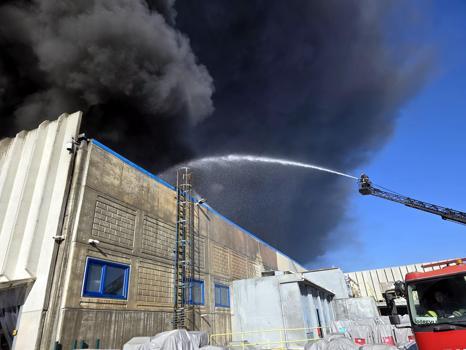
x: 278, y: 338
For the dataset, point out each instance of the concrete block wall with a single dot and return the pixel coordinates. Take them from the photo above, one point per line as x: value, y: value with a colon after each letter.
x: 114, y: 222
x: 132, y: 215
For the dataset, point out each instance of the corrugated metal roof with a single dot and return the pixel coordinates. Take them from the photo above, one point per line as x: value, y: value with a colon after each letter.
x: 34, y: 171
x: 372, y: 283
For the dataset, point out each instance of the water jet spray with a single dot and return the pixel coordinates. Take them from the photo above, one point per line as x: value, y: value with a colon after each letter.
x: 237, y: 158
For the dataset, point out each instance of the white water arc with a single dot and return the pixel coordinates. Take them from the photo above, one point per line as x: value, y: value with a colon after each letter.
x: 237, y: 158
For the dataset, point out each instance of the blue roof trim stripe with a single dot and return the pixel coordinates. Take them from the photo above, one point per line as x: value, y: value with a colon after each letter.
x: 170, y: 186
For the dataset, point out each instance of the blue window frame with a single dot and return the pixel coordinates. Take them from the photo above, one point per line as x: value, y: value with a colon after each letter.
x: 222, y: 295
x: 105, y: 279
x: 196, y: 292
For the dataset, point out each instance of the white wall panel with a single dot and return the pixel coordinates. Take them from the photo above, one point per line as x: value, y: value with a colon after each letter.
x: 35, y: 167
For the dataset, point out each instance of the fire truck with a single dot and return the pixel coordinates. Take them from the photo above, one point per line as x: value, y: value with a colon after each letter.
x: 436, y: 299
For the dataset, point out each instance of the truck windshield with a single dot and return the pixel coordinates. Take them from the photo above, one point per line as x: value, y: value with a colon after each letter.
x: 439, y: 300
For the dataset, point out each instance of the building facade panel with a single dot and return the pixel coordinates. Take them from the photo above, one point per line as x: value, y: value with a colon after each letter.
x: 254, y: 269
x: 92, y: 327
x: 239, y: 266
x: 154, y: 284
x: 114, y: 222
x: 268, y: 257
x: 200, y: 252
x: 35, y: 172
x: 158, y: 237
x: 220, y: 260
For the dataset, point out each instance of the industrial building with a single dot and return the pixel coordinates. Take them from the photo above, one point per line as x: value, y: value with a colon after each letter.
x: 96, y: 250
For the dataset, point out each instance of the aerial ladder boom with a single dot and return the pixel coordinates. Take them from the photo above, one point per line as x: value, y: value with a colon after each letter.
x: 366, y: 188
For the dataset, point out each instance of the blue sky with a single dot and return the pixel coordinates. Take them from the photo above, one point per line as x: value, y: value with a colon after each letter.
x: 424, y: 159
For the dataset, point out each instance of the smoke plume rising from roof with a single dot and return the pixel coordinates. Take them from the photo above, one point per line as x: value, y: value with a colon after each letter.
x: 314, y: 81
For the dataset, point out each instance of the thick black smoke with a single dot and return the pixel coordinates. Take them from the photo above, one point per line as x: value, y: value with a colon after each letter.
x: 309, y: 80
x: 315, y: 81
x: 121, y: 61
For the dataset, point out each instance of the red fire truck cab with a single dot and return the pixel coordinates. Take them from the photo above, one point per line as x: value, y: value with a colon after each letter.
x: 437, y: 306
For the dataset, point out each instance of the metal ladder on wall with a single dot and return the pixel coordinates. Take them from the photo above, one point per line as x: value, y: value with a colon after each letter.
x: 183, y: 316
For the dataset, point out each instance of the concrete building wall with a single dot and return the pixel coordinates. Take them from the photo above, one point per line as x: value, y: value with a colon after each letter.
x: 279, y: 311
x: 291, y: 297
x: 132, y: 215
x: 35, y: 169
x: 256, y: 305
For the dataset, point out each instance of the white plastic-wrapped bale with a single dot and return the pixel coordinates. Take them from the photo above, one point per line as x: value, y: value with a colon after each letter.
x: 384, y: 334
x: 361, y: 334
x: 178, y: 339
x: 136, y: 343
x: 200, y: 339
x: 403, y: 335
x: 378, y: 347
x: 335, y: 343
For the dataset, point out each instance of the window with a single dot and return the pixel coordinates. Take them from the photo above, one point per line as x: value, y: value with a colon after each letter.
x: 440, y: 300
x: 105, y: 279
x: 196, y: 292
x: 222, y: 295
